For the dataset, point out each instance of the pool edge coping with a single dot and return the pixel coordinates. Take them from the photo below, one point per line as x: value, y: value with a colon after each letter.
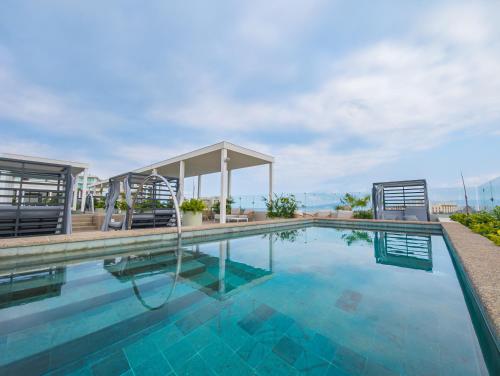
x: 476, y: 262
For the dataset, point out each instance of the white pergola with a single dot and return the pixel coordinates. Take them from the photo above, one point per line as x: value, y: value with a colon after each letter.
x: 222, y: 157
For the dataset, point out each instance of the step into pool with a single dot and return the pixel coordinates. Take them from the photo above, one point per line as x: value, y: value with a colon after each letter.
x: 313, y: 300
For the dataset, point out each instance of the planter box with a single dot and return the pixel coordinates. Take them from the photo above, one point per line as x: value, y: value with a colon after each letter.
x: 344, y: 214
x: 192, y: 219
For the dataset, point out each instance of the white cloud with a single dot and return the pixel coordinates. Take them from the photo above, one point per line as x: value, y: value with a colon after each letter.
x: 28, y: 147
x: 400, y: 95
x: 463, y: 23
x: 265, y: 24
x: 41, y: 108
x: 397, y: 96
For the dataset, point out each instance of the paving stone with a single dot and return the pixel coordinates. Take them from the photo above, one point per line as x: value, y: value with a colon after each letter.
x: 216, y: 355
x: 288, y: 350
x: 375, y: 369
x: 349, y: 361
x: 311, y: 364
x: 115, y: 364
x: 166, y: 337
x: 179, y: 353
x: 251, y: 323
x: 140, y: 351
x: 195, y: 366
x: 253, y: 352
x: 264, y: 312
x: 273, y: 365
x: 156, y: 365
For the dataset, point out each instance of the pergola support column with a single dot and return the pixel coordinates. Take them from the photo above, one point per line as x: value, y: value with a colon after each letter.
x: 199, y: 186
x: 180, y: 191
x: 84, y: 190
x: 270, y: 181
x: 222, y: 266
x: 75, y: 194
x: 223, y: 185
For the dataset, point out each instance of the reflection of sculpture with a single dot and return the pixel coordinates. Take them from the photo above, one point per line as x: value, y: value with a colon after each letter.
x: 121, y: 269
x: 404, y: 250
x: 357, y: 236
x: 215, y: 276
x: 24, y: 287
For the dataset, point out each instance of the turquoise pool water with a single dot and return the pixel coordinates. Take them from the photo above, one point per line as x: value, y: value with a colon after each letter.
x: 318, y: 301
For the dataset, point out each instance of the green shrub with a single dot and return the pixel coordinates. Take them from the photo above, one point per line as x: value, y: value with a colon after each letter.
x: 350, y: 202
x: 216, y: 206
x: 281, y: 206
x: 193, y: 205
x: 363, y: 214
x: 496, y: 213
x: 484, y: 223
x: 342, y: 207
x: 99, y: 203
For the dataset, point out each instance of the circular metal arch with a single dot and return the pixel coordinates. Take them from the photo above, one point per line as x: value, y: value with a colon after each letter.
x: 174, y: 198
x: 137, y: 292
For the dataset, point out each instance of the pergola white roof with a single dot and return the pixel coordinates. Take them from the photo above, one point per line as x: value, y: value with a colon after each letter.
x: 76, y: 167
x: 207, y: 160
x: 222, y: 157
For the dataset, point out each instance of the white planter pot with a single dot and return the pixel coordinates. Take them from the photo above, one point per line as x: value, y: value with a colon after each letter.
x: 191, y: 219
x: 344, y: 214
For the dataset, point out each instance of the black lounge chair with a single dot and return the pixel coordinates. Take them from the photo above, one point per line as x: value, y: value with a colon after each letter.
x: 30, y: 220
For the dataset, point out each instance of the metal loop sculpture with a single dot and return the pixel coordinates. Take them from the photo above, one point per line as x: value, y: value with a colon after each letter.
x: 155, y: 176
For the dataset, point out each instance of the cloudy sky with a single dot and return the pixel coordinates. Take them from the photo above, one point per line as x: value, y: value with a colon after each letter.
x: 342, y: 93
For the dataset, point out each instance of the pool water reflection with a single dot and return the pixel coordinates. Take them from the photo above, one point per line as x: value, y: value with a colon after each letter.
x: 309, y: 301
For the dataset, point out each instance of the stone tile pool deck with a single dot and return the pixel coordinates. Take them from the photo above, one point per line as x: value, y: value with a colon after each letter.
x: 476, y: 257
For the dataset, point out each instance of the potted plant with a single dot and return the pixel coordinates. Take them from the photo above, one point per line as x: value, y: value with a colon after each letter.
x: 99, y: 205
x: 192, y: 212
x: 121, y: 205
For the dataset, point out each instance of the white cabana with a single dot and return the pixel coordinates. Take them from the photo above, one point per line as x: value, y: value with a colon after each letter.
x: 222, y: 157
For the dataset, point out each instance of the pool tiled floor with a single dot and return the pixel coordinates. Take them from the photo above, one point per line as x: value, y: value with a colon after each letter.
x: 294, y: 319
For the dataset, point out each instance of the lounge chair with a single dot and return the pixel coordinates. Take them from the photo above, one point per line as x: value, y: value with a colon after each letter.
x: 33, y: 220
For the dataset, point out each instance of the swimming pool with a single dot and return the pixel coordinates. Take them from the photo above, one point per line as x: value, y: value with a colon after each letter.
x: 314, y: 300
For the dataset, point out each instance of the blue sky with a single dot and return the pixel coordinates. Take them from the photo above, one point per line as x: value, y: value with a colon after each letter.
x: 342, y: 93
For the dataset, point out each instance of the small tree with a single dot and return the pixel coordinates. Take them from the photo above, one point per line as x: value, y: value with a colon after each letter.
x: 350, y: 202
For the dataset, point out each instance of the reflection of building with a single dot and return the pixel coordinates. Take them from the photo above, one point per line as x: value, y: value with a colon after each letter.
x: 20, y: 288
x: 444, y: 208
x: 489, y: 194
x: 91, y: 180
x: 216, y: 276
x: 404, y: 250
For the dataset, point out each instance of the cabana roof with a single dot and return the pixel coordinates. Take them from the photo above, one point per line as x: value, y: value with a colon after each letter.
x: 207, y: 160
x: 8, y: 160
x: 222, y: 157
